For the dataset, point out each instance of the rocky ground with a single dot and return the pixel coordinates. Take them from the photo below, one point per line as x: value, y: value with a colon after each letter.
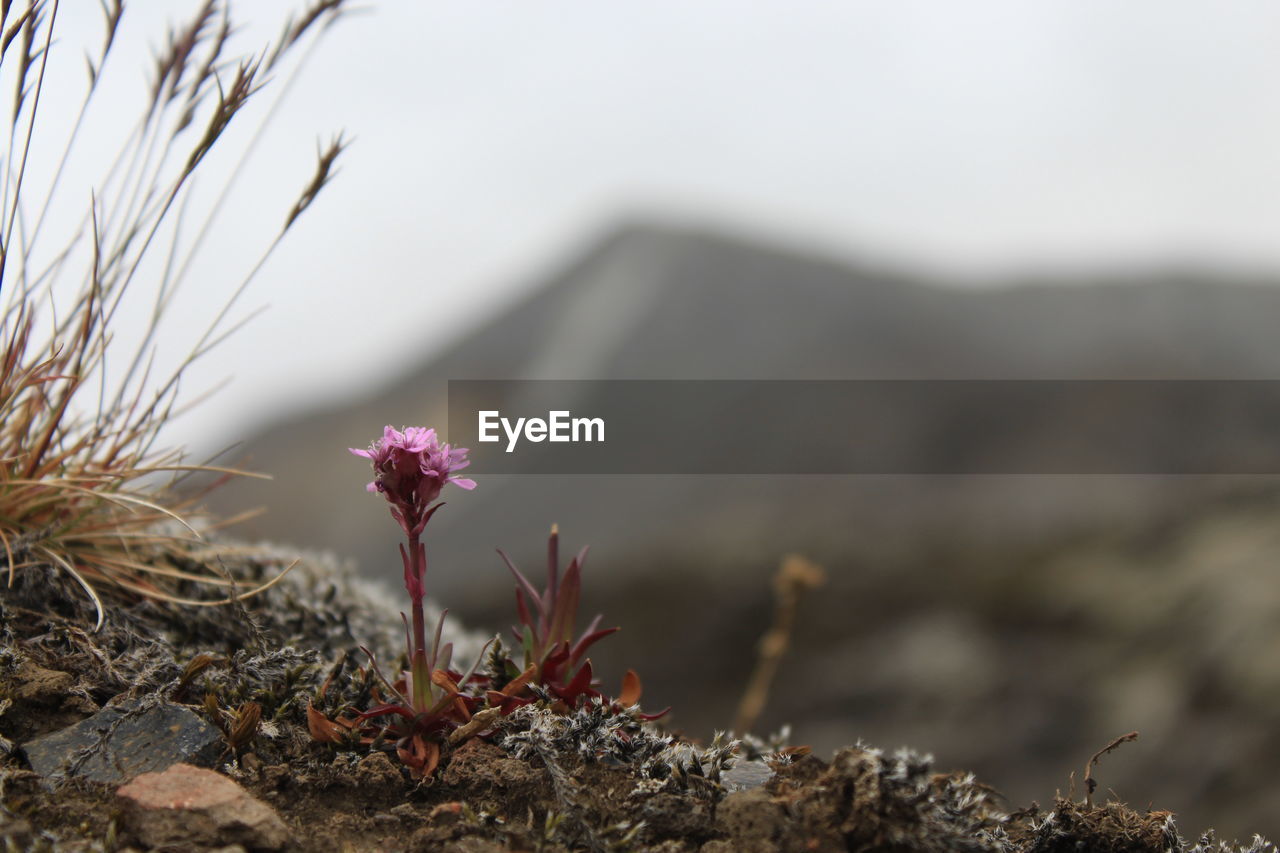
x: 186, y: 729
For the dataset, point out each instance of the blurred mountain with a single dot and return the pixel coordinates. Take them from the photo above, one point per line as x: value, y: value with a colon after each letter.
x: 993, y: 620
x: 653, y: 303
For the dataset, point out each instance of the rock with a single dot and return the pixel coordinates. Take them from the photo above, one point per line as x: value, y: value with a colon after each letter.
x: 141, y: 741
x: 191, y: 806
x: 746, y: 775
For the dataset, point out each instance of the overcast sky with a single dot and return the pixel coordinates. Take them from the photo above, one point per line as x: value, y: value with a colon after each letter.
x: 493, y: 139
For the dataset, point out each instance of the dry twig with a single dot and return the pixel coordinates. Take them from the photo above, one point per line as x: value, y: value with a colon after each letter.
x: 795, y: 576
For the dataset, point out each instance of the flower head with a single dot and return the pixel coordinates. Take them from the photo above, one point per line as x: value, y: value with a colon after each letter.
x: 409, y: 470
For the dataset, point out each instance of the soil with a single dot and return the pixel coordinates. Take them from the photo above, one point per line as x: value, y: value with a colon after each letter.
x: 594, y: 779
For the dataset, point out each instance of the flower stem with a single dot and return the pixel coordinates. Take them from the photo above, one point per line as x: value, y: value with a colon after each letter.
x: 419, y: 665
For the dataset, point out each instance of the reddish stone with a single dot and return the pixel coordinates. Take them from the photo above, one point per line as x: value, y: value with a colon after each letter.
x: 191, y: 806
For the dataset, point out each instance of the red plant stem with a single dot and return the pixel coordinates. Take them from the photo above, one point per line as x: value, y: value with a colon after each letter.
x: 419, y: 666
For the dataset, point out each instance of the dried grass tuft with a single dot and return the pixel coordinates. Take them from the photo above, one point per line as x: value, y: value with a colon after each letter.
x: 86, y: 489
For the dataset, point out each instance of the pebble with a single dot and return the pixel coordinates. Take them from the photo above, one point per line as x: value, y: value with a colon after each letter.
x: 153, y: 739
x: 188, y: 806
x: 746, y: 775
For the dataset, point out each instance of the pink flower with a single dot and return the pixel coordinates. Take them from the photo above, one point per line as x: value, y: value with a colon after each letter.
x: 409, y: 470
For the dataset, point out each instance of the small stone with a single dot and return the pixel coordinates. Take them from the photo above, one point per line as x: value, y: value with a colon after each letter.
x: 191, y: 806
x: 746, y: 775
x: 141, y: 741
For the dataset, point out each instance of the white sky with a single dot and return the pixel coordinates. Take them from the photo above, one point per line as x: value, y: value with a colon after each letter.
x: 492, y: 139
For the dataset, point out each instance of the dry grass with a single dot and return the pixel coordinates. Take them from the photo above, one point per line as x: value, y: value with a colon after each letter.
x: 794, y: 578
x: 85, y: 485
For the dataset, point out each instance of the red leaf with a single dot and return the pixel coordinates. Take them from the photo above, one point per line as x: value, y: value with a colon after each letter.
x: 323, y: 729
x: 435, y: 642
x: 420, y: 756
x: 522, y: 611
x: 522, y: 580
x: 506, y: 704
x: 553, y: 662
x: 517, y: 684
x: 565, y: 610
x: 427, y: 517
x: 390, y: 708
x: 553, y: 561
x: 631, y: 689
x: 442, y: 680
x: 580, y: 684
x: 588, y: 640
x: 593, y: 624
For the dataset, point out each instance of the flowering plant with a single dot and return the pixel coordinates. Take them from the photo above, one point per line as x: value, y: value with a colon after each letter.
x: 410, y: 470
x: 432, y: 704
